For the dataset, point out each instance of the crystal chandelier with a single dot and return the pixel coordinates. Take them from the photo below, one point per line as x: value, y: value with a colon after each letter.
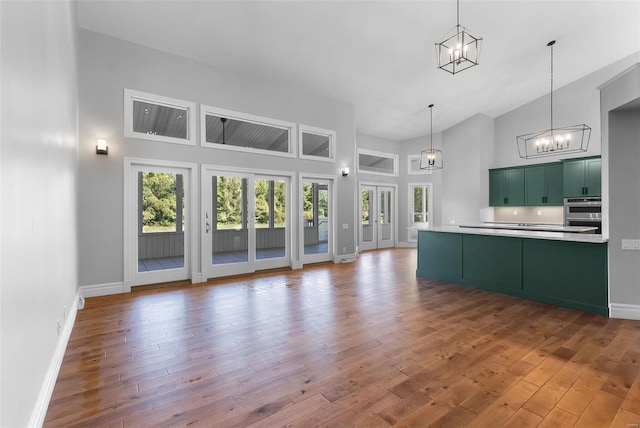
x: 554, y: 141
x: 459, y: 50
x: 431, y: 158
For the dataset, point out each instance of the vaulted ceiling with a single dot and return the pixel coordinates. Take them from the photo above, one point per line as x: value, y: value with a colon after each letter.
x: 379, y: 56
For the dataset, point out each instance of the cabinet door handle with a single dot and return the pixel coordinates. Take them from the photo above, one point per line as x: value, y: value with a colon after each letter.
x: 586, y: 190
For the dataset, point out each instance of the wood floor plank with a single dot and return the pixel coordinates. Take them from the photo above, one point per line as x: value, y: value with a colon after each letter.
x: 355, y: 344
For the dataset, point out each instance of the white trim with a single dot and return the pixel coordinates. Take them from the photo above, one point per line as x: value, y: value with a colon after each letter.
x: 246, y: 117
x: 46, y: 390
x: 196, y: 278
x: 131, y: 95
x: 391, y: 156
x: 624, y: 311
x: 317, y: 131
x: 411, y: 171
x: 97, y: 290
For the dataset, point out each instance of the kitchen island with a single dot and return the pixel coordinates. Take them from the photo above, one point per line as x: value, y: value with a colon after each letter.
x: 563, y: 269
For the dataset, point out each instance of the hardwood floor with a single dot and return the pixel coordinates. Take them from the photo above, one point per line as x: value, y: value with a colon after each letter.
x: 357, y: 344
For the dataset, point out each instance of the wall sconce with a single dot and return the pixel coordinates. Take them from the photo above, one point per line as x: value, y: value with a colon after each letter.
x: 101, y: 147
x: 345, y: 171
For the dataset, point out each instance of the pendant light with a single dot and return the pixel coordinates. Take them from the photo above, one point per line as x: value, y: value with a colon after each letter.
x: 459, y: 50
x: 554, y: 141
x: 223, y: 120
x: 431, y: 158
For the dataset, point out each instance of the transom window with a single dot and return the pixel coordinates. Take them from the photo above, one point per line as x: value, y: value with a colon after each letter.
x: 380, y: 163
x: 158, y: 118
x: 224, y: 129
x: 413, y: 166
x: 317, y: 143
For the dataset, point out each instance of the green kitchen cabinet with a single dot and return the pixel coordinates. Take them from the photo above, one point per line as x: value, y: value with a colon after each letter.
x: 544, y: 185
x: 506, y: 187
x: 582, y: 177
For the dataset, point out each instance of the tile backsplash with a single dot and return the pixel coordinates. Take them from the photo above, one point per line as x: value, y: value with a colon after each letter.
x: 529, y: 214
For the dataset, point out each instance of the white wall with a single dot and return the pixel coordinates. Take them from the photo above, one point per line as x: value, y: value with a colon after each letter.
x: 39, y: 176
x: 108, y: 65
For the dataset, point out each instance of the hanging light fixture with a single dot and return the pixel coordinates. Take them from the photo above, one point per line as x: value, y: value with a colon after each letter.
x: 224, y: 121
x: 459, y: 50
x: 554, y: 141
x: 431, y: 158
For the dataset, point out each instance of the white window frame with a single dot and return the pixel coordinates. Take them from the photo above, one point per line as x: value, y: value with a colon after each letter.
x: 318, y: 131
x: 391, y: 156
x: 428, y: 200
x: 411, y: 171
x: 245, y: 117
x: 131, y: 95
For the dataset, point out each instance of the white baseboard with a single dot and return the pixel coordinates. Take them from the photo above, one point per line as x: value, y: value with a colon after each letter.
x: 406, y: 244
x: 624, y: 311
x: 101, y: 289
x: 196, y: 278
x: 344, y: 258
x: 46, y: 390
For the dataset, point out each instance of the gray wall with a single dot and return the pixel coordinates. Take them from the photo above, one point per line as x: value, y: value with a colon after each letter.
x: 38, y: 195
x: 108, y: 65
x: 621, y: 187
x: 465, y: 180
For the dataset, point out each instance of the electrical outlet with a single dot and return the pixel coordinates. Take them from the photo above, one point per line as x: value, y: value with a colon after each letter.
x: 345, y: 225
x: 515, y: 212
x: 539, y: 212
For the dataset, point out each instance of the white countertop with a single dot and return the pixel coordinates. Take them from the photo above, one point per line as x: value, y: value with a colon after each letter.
x: 557, y: 236
x: 537, y: 227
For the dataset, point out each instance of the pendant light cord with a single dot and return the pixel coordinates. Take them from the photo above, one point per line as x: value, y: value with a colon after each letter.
x: 431, y: 126
x: 551, y: 43
x: 458, y: 12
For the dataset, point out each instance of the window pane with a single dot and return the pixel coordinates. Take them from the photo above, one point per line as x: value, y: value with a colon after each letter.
x: 157, y: 119
x: 316, y: 145
x: 418, y: 218
x: 417, y: 199
x: 365, y: 207
x: 238, y: 133
x: 375, y: 163
x: 159, y: 202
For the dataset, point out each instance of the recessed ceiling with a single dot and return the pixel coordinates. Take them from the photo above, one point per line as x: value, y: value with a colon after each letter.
x: 379, y: 56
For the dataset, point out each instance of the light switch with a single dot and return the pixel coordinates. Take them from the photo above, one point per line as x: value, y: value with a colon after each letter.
x: 631, y: 244
x: 345, y: 225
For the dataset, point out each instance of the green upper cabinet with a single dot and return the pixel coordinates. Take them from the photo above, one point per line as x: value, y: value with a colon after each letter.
x: 506, y: 187
x: 582, y: 177
x: 543, y: 185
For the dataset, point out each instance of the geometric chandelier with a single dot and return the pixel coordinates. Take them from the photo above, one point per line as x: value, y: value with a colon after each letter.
x: 459, y: 50
x: 431, y: 158
x: 554, y: 141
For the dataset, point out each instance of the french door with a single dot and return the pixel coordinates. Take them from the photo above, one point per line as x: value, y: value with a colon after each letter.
x: 377, y: 217
x: 159, y: 222
x: 316, y: 234
x: 246, y: 222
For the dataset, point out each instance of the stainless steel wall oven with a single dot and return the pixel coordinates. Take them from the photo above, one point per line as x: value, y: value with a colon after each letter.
x: 583, y: 212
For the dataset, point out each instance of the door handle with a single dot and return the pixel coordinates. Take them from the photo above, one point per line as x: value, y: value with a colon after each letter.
x: 207, y: 227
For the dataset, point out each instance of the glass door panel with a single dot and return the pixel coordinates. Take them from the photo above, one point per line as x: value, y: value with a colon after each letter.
x: 230, y: 240
x: 385, y: 217
x: 317, y: 223
x: 368, y: 221
x: 271, y: 222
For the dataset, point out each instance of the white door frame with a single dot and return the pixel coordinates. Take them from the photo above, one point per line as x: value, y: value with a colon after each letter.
x: 329, y: 255
x: 205, y: 243
x: 130, y: 209
x: 394, y: 209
